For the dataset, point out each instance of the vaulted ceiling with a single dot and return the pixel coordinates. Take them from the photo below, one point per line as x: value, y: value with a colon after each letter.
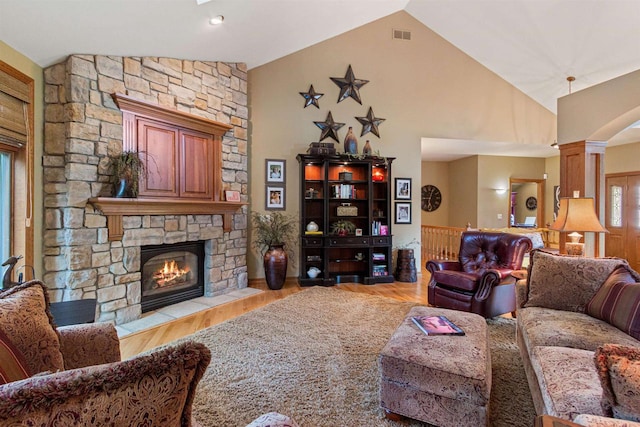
x: 533, y: 44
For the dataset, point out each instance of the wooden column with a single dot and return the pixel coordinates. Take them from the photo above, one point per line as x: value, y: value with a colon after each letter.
x: 582, y: 169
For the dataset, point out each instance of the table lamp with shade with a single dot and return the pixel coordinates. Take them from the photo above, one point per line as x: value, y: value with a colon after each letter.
x: 576, y: 215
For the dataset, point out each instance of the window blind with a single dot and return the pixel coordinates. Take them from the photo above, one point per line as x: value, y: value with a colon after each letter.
x: 14, y: 118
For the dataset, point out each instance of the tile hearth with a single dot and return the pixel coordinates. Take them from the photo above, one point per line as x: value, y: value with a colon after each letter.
x: 182, y: 309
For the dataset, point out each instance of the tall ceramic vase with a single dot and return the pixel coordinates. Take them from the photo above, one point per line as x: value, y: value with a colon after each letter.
x: 275, y: 266
x: 366, y: 150
x: 350, y: 142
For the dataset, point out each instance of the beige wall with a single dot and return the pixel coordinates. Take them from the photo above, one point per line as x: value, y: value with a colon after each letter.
x: 468, y: 188
x: 456, y: 181
x: 622, y: 158
x: 600, y: 111
x: 495, y: 172
x: 423, y: 88
x: 28, y: 67
x: 552, y: 169
x: 435, y: 173
x: 463, y: 196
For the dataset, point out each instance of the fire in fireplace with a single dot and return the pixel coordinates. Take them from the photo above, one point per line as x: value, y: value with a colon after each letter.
x: 171, y: 274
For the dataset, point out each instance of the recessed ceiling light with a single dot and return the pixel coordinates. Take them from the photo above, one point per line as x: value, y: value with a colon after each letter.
x: 216, y: 20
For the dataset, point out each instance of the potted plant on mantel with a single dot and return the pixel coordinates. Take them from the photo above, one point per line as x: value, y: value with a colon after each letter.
x: 127, y: 168
x: 271, y: 233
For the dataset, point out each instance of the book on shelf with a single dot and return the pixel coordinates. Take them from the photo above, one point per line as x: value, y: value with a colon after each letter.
x: 436, y: 325
x: 313, y: 232
x: 380, y: 270
x: 344, y: 191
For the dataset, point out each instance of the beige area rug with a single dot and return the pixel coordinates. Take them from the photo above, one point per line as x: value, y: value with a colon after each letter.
x: 313, y: 356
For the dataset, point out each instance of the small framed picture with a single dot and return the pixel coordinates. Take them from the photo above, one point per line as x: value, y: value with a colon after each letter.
x: 358, y: 231
x: 232, y: 196
x: 403, y: 188
x: 274, y: 198
x: 403, y: 213
x: 275, y: 170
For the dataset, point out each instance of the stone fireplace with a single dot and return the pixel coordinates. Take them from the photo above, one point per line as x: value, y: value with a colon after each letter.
x: 83, y: 127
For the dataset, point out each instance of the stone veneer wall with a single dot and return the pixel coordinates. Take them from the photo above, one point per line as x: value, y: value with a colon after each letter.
x: 83, y: 127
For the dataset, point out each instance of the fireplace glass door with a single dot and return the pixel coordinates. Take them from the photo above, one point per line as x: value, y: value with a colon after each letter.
x: 171, y: 274
x: 169, y: 271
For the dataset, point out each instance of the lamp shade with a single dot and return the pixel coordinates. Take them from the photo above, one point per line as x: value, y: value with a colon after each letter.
x: 577, y: 214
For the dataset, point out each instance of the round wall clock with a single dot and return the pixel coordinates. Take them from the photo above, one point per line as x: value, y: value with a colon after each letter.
x: 531, y: 203
x: 431, y: 198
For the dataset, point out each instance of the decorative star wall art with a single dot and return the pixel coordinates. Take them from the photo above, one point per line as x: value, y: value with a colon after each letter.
x: 370, y: 123
x: 349, y: 86
x: 311, y: 97
x: 329, y: 128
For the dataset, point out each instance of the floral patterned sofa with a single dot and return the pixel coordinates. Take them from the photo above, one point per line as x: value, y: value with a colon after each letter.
x: 578, y: 324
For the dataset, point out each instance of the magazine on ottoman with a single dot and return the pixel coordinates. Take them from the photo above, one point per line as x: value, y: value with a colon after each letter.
x: 436, y: 325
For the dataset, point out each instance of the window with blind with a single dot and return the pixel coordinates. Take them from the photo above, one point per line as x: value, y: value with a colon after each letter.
x: 16, y: 164
x: 14, y: 107
x: 5, y: 205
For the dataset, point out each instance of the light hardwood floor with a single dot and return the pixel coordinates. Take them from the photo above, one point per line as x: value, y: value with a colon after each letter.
x: 153, y: 337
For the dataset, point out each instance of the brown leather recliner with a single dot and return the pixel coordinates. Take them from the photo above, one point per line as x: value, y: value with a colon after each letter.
x: 480, y: 281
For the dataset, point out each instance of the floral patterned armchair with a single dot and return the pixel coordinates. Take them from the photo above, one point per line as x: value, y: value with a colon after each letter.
x: 73, y: 375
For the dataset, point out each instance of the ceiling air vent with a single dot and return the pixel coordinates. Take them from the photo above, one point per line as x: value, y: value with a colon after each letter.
x: 401, y: 35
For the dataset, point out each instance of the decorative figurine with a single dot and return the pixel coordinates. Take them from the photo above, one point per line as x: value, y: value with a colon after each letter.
x: 349, y: 86
x: 329, y: 128
x: 350, y: 142
x: 313, y: 272
x: 366, y: 150
x: 6, y: 280
x: 370, y: 123
x: 311, y: 97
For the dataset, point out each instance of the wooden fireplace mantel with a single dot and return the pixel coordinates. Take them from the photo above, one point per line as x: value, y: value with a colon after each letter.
x: 115, y: 208
x: 186, y: 177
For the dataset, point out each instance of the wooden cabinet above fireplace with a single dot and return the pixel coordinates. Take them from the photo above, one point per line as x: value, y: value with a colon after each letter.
x: 182, y: 153
x: 178, y: 163
x: 182, y: 156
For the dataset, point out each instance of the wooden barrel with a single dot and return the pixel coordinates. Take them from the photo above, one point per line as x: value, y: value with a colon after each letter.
x: 406, y: 266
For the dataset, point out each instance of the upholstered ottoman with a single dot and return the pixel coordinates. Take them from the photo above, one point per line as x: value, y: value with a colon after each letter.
x: 441, y: 379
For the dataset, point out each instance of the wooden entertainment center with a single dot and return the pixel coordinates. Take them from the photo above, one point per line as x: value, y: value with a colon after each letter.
x: 351, y: 189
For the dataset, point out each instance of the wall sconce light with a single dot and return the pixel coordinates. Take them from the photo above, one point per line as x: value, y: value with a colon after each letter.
x: 216, y: 20
x: 500, y: 190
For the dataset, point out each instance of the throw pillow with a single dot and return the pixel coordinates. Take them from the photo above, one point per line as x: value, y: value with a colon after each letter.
x: 564, y: 282
x: 26, y: 321
x: 619, y: 371
x: 617, y: 302
x: 12, y: 364
x: 536, y: 240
